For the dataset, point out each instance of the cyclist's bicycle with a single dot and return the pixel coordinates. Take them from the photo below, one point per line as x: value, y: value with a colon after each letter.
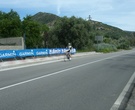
x: 67, y: 56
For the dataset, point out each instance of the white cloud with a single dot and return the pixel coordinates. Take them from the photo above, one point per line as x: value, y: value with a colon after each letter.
x: 117, y: 12
x: 59, y: 7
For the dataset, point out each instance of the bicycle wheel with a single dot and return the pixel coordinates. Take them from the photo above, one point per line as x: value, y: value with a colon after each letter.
x: 65, y: 57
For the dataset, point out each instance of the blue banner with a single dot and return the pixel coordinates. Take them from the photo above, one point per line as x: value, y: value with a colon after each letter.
x: 7, y: 54
x: 54, y: 51
x: 40, y: 52
x: 25, y: 53
x: 73, y: 51
x: 33, y: 52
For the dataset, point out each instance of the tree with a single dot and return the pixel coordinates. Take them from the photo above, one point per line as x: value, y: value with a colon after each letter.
x: 73, y: 30
x: 44, y: 32
x: 123, y: 43
x: 32, y: 32
x: 10, y: 24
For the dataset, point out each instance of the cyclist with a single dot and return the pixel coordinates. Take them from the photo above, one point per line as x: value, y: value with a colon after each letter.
x: 69, y: 47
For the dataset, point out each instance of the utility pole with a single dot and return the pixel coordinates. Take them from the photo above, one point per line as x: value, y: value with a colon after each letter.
x: 24, y: 39
x: 89, y: 18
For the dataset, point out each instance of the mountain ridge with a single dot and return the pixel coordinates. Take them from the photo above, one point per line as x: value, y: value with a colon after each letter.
x: 49, y: 19
x: 45, y: 18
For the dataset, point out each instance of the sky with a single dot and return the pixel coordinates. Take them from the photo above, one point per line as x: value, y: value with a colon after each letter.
x: 117, y: 13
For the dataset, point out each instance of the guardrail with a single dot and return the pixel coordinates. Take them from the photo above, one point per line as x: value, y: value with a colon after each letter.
x: 9, y: 54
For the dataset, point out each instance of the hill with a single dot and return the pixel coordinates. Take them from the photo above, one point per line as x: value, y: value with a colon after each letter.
x: 45, y: 18
x: 49, y: 19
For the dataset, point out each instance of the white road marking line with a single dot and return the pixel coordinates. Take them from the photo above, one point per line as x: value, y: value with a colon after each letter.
x: 123, y: 93
x: 30, y: 80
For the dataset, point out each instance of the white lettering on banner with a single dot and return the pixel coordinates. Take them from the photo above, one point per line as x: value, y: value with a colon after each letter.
x: 54, y: 51
x: 58, y: 51
x: 62, y: 51
x: 42, y: 53
x: 26, y: 53
x: 65, y: 50
x: 9, y: 54
x: 73, y: 50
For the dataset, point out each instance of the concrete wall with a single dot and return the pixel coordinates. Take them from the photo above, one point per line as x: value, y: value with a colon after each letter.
x: 16, y: 43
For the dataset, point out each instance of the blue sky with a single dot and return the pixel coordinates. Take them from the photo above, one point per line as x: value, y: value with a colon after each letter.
x: 118, y: 13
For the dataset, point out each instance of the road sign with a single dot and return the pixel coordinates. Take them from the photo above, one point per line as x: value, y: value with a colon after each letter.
x: 99, y: 38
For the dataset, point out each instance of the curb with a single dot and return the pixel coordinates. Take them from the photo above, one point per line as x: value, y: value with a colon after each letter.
x: 122, y: 100
x: 43, y: 59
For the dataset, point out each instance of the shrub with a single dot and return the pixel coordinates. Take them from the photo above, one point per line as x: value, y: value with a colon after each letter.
x: 105, y: 48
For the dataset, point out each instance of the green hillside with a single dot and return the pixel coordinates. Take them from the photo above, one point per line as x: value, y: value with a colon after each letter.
x: 49, y: 19
x: 45, y: 18
x: 81, y: 33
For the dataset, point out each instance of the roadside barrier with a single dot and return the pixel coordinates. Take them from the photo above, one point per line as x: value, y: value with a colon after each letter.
x: 13, y: 54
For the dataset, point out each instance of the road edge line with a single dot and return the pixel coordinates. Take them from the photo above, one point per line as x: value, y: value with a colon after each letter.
x: 122, y: 100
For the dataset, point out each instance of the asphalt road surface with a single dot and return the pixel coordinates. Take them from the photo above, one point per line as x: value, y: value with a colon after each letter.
x: 91, y: 82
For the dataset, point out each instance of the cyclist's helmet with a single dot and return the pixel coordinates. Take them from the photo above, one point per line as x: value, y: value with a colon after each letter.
x: 69, y: 44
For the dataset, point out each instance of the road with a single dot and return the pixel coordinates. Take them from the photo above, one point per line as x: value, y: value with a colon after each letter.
x: 86, y: 83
